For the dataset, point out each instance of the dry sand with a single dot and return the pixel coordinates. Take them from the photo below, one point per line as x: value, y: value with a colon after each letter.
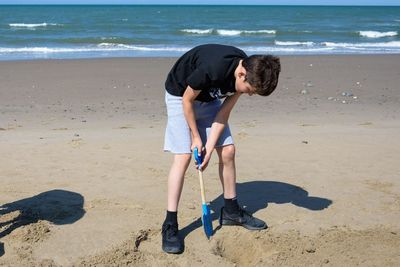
x: 83, y: 175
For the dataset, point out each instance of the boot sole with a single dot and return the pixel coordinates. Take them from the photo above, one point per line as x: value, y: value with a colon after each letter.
x: 248, y: 227
x: 172, y: 250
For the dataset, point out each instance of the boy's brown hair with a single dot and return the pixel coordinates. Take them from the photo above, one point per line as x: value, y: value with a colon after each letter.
x: 262, y: 72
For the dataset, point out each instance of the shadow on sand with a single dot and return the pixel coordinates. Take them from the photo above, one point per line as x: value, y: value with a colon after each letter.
x: 56, y: 206
x: 256, y: 196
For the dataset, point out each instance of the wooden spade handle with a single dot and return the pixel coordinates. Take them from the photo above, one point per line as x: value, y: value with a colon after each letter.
x: 203, y: 195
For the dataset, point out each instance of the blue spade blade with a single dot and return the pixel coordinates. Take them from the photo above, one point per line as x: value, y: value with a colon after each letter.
x: 206, y: 219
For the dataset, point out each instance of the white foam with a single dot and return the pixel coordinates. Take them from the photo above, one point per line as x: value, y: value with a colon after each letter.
x: 375, y: 34
x: 290, y: 47
x: 98, y: 48
x: 197, y: 31
x: 239, y: 32
x: 272, y: 32
x: 272, y: 49
x: 229, y: 32
x: 107, y: 45
x: 109, y: 38
x: 224, y: 32
x: 123, y: 47
x: 393, y: 44
x: 289, y: 43
x: 41, y: 50
x: 25, y: 25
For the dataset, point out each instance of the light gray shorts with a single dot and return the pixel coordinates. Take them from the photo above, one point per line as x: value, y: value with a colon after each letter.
x: 178, y: 139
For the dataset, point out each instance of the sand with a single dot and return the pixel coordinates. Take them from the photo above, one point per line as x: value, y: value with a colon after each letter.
x: 83, y: 174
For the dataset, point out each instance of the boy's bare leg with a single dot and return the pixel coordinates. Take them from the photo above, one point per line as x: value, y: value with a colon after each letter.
x: 171, y: 241
x: 176, y: 178
x: 231, y: 213
x: 227, y: 170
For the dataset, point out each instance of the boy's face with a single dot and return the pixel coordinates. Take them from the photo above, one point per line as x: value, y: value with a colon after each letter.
x: 242, y: 86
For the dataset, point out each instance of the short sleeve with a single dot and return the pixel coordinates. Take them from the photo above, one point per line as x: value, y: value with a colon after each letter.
x: 199, y: 80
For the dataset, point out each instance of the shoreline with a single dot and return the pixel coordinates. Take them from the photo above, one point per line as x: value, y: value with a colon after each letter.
x: 176, y: 57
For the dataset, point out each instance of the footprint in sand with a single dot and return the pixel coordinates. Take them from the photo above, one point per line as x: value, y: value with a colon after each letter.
x: 126, y: 127
x: 75, y: 143
x: 11, y: 127
x: 393, y: 202
x: 242, y: 135
x: 157, y: 172
x: 368, y: 123
x: 106, y: 147
x: 379, y: 186
x: 308, y: 125
x: 249, y: 124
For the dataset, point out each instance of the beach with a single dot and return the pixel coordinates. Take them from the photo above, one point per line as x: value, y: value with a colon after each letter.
x: 83, y: 172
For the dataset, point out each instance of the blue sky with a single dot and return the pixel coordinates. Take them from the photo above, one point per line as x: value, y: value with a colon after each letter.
x: 235, y: 2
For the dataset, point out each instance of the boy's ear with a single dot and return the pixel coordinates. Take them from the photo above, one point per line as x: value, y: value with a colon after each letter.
x: 242, y: 73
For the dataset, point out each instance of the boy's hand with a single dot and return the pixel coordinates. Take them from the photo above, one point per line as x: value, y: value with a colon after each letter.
x: 196, y: 142
x: 206, y: 159
x: 201, y: 159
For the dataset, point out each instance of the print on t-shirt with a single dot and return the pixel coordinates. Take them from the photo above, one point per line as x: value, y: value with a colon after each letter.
x: 216, y: 93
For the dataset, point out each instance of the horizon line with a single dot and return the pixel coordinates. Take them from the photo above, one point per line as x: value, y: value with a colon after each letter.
x: 310, y: 5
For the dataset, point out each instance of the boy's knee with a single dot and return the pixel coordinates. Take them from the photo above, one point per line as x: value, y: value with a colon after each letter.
x: 227, y: 153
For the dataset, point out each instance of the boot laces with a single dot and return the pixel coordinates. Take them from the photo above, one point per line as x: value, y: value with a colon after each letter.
x: 171, y: 230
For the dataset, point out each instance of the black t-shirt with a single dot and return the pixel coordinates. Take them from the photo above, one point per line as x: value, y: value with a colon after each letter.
x: 209, y: 68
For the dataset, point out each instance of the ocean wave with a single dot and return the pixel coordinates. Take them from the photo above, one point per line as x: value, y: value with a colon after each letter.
x: 228, y: 32
x: 121, y: 47
x: 224, y: 32
x: 260, y: 32
x: 32, y: 26
x: 25, y: 25
x: 243, y: 32
x: 98, y: 48
x: 376, y: 34
x: 197, y: 31
x: 109, y: 49
x: 327, y: 48
x: 393, y: 44
x: 109, y: 38
x: 290, y: 43
x: 278, y: 49
x: 40, y: 50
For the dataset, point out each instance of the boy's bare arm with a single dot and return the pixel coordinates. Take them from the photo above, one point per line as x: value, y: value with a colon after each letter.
x: 218, y: 125
x: 188, y: 98
x: 221, y: 120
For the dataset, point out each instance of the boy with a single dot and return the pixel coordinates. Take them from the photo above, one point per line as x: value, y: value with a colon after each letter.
x: 198, y: 118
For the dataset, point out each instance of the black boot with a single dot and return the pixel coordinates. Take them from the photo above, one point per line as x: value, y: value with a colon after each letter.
x: 171, y: 241
x: 242, y: 218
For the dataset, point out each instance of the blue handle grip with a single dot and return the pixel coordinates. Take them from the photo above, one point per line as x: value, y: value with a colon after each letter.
x: 198, y: 158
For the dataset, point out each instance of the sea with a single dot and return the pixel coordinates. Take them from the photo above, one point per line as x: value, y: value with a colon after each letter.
x: 97, y: 31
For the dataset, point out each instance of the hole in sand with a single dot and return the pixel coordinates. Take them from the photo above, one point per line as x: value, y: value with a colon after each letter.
x: 243, y: 248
